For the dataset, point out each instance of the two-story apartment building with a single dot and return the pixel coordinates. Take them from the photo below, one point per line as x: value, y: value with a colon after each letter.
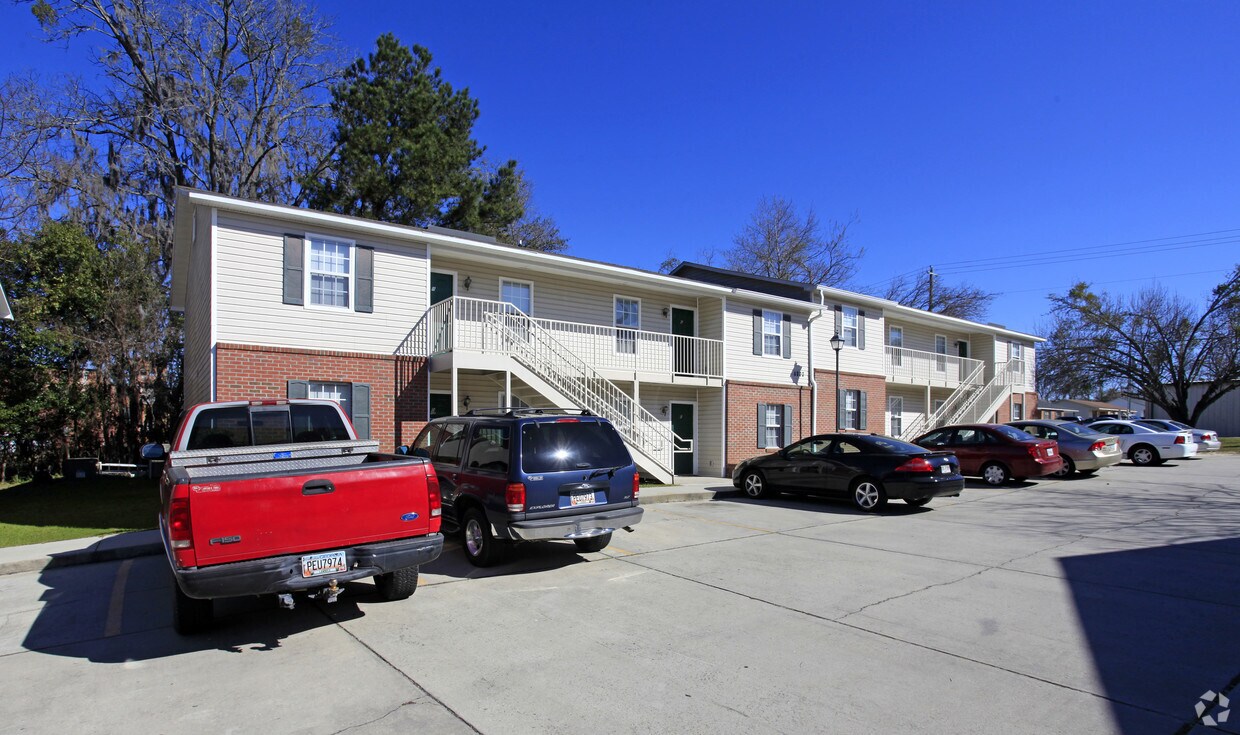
x: 698, y: 369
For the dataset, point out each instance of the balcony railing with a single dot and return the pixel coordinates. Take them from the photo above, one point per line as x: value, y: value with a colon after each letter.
x: 917, y: 367
x: 460, y: 324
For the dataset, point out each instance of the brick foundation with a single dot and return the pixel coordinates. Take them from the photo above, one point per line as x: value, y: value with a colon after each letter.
x: 398, y: 385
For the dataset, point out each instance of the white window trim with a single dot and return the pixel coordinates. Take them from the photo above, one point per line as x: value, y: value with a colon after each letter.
x: 856, y: 315
x: 891, y: 331
x: 615, y: 342
x: 782, y: 336
x: 514, y: 281
x: 855, y: 394
x: 348, y: 386
x: 308, y: 298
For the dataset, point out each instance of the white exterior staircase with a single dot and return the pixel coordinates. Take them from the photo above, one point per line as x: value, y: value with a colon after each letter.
x: 971, y: 403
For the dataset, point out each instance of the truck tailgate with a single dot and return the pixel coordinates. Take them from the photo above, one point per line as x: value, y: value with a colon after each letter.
x: 251, y: 517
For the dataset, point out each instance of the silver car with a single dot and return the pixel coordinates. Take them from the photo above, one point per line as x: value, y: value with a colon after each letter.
x: 1083, y: 449
x: 1207, y: 441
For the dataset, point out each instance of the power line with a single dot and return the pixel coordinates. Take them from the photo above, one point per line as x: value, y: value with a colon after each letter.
x: 1049, y: 289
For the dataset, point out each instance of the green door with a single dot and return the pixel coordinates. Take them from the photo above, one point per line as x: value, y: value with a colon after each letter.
x: 683, y: 351
x: 441, y: 286
x: 682, y: 425
x: 440, y: 405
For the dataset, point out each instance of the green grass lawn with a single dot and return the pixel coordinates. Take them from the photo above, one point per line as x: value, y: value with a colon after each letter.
x: 35, y: 512
x: 1230, y: 444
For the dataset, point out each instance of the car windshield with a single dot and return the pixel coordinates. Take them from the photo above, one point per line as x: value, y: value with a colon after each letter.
x: 893, y: 446
x: 1015, y: 434
x: 555, y: 446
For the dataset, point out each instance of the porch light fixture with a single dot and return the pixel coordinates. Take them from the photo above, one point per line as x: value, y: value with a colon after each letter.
x: 837, y: 344
x: 664, y: 410
x: 665, y: 311
x: 468, y: 281
x: 466, y: 402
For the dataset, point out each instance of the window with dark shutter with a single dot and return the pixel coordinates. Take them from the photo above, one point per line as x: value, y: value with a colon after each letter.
x: 787, y: 335
x: 364, y: 300
x: 361, y: 410
x: 294, y: 269
x: 298, y: 389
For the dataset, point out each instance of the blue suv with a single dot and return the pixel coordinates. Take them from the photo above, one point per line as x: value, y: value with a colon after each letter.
x: 524, y: 474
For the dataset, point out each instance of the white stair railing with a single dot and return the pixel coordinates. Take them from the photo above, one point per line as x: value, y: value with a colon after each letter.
x: 969, y: 387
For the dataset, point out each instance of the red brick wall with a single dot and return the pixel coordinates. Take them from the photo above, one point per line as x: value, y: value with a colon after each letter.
x: 743, y: 400
x: 398, y: 385
x: 1031, y: 405
x: 875, y: 387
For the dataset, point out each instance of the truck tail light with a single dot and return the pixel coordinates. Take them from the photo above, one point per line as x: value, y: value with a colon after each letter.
x: 514, y: 495
x: 432, y: 492
x: 180, y: 530
x: 916, y: 464
x: 1098, y: 446
x: 637, y: 484
x: 1179, y: 439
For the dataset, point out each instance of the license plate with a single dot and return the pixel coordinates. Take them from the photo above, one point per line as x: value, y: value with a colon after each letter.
x: 315, y: 565
x: 582, y: 499
x: 1050, y: 452
x: 945, y: 469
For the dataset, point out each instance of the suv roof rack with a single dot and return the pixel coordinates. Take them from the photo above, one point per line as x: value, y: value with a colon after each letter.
x: 527, y: 411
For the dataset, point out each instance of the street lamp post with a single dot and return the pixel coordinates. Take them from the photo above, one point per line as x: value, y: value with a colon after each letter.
x: 837, y: 344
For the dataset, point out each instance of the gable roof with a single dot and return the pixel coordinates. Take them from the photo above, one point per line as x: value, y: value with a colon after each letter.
x: 5, y: 311
x: 745, y: 281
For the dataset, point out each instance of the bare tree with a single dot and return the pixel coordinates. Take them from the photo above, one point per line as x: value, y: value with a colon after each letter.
x: 1154, y: 344
x: 963, y: 301
x: 223, y: 95
x: 779, y: 242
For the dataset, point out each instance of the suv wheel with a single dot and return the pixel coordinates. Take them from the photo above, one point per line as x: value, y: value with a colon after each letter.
x: 593, y: 543
x: 397, y: 585
x: 481, y: 547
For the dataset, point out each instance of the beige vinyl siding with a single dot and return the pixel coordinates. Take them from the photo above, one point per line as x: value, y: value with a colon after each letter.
x: 742, y: 364
x: 566, y: 298
x: 198, y: 388
x: 249, y: 293
x: 710, y: 318
x: 708, y: 442
x: 852, y: 359
x: 984, y: 349
x: 914, y: 405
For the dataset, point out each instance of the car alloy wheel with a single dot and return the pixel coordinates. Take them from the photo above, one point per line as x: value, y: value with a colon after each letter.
x: 869, y: 496
x: 754, y: 485
x: 1066, y: 470
x: 994, y: 474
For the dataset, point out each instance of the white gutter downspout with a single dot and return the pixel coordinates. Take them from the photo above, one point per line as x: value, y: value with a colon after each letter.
x: 813, y: 384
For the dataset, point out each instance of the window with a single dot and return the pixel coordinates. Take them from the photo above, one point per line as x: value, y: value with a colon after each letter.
x: 895, y: 407
x: 773, y: 425
x: 938, y: 404
x: 1018, y: 352
x: 330, y: 273
x: 848, y: 328
x: 520, y: 295
x: 845, y: 447
x: 488, y: 451
x: 341, y: 393
x: 940, y: 349
x: 451, y: 444
x: 895, y: 340
x: 772, y: 334
x: 1018, y: 411
x: 220, y: 428
x: 627, y: 318
x: 940, y: 438
x: 556, y: 446
x: 426, y: 441
x: 852, y: 406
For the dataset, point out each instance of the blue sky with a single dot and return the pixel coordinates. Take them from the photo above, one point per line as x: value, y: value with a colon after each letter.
x: 955, y: 132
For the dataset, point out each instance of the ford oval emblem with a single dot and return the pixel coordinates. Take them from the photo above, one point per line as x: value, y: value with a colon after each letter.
x: 409, y: 517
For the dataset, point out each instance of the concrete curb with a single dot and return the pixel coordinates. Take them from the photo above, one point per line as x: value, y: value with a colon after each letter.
x: 56, y: 555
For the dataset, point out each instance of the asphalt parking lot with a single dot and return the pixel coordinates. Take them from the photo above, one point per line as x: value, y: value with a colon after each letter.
x: 1091, y: 605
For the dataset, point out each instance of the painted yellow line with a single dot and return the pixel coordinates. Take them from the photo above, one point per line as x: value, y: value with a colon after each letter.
x: 117, y: 605
x: 615, y: 549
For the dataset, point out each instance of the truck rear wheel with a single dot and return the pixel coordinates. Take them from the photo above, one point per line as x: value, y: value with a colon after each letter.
x: 189, y: 614
x: 397, y: 585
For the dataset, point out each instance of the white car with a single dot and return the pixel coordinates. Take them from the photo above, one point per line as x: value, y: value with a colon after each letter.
x: 1145, y: 446
x: 1207, y: 441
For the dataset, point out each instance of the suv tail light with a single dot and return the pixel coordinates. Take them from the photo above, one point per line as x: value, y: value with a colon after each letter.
x: 1179, y: 439
x: 180, y: 530
x: 916, y: 464
x: 1098, y: 446
x: 637, y: 485
x: 514, y: 495
x: 432, y: 492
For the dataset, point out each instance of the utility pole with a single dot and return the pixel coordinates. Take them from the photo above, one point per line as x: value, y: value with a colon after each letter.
x: 931, y: 307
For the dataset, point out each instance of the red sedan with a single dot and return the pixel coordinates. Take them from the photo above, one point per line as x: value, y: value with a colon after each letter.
x: 994, y: 452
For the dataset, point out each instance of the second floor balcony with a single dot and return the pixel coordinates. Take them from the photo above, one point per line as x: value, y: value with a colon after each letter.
x: 465, y: 324
x: 917, y: 367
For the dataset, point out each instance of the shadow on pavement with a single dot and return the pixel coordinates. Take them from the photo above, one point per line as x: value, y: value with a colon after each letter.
x: 823, y: 504
x: 122, y: 611
x: 528, y: 557
x: 1160, y: 625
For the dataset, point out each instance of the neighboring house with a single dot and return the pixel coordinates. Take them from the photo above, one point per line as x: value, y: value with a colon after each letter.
x: 698, y: 370
x: 1093, y: 409
x: 1222, y: 416
x: 5, y: 311
x: 1053, y: 411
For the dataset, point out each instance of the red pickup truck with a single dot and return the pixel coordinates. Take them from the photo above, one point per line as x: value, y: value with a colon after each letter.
x: 281, y: 497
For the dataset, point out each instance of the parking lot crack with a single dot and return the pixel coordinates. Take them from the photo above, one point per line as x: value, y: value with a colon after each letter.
x: 381, y: 717
x: 913, y: 592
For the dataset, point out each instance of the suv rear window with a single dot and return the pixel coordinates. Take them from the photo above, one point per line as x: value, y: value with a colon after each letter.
x: 554, y: 446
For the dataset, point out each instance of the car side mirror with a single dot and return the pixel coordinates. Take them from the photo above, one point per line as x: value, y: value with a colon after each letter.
x: 153, y: 451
